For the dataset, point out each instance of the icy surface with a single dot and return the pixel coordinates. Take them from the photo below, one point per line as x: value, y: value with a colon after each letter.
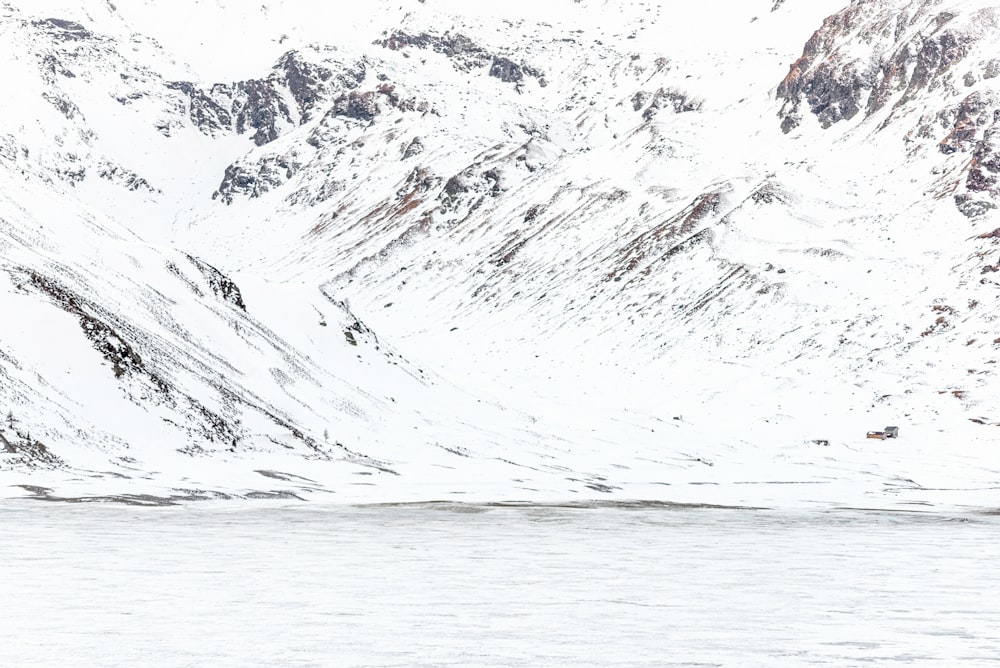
x: 447, y: 585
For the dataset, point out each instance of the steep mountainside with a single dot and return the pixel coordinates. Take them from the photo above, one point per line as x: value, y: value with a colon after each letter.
x: 421, y: 250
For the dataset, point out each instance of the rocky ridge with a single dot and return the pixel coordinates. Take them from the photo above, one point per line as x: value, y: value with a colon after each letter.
x: 911, y: 52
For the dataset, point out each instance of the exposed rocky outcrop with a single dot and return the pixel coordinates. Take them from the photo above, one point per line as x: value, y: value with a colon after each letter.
x: 508, y: 71
x: 414, y: 148
x: 253, y: 180
x: 142, y: 377
x: 63, y: 30
x: 312, y: 194
x: 364, y: 106
x: 64, y: 106
x: 467, y: 189
x: 911, y: 67
x: 205, y: 107
x: 307, y: 82
x: 973, y: 129
x: 462, y: 51
x: 664, y: 99
x: 255, y: 105
x: 113, y: 346
x: 124, y: 177
x: 666, y: 238
x: 290, y: 95
x: 52, y: 66
x: 221, y: 285
x: 355, y: 108
x: 24, y: 451
x: 903, y: 53
x: 259, y: 106
x: 358, y: 106
x: 465, y: 55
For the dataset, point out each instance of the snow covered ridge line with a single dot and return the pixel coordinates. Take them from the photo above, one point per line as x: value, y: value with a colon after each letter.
x: 146, y: 385
x: 159, y: 368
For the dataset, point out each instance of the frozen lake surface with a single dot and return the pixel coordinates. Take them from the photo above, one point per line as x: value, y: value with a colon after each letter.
x: 439, y: 585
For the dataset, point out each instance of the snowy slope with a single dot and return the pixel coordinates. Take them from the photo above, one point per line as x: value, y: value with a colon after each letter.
x: 422, y: 250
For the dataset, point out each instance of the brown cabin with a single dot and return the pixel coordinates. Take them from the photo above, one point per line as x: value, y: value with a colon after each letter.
x: 888, y: 432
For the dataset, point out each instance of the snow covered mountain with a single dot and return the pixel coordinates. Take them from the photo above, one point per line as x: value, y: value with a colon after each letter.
x: 422, y: 250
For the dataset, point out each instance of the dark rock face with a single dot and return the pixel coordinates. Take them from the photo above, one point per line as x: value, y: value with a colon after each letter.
x: 930, y: 69
x: 289, y: 95
x: 220, y: 284
x: 65, y: 107
x: 462, y: 51
x: 508, y: 71
x: 973, y: 129
x: 141, y: 379
x: 311, y: 195
x: 669, y: 99
x: 465, y: 55
x: 420, y: 181
x: 64, y: 30
x: 52, y: 66
x: 254, y: 105
x: 364, y: 106
x: 915, y: 61
x: 639, y: 100
x: 269, y: 172
x: 414, y: 148
x: 206, y: 111
x: 835, y: 87
x: 831, y: 96
x: 396, y: 99
x: 259, y: 106
x: 971, y: 207
x: 832, y: 89
x: 124, y: 177
x: 112, y: 345
x: 456, y: 185
x: 466, y: 191
x: 235, y: 181
x: 306, y: 82
x: 358, y: 106
x: 252, y: 181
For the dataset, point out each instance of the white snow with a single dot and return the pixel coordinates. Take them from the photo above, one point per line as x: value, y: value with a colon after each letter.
x: 504, y: 360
